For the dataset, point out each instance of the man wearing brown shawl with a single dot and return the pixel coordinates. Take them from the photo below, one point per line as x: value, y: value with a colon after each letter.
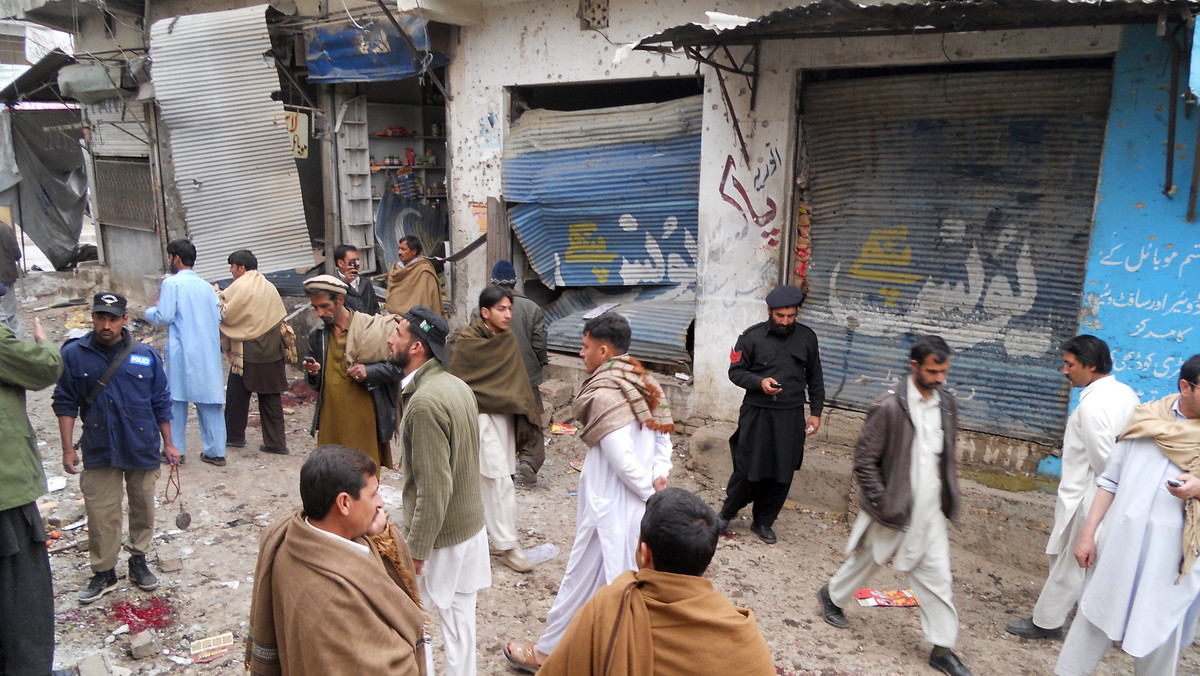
x: 327, y: 598
x: 665, y: 619
x: 1144, y: 590
x: 626, y: 426
x: 412, y: 281
x: 357, y: 392
x: 487, y: 358
x: 252, y: 337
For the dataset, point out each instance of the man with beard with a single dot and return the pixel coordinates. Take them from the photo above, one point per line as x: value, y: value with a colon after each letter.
x: 487, y: 359
x: 907, y: 475
x: 412, y: 281
x: 360, y: 293
x: 356, y: 391
x: 443, y: 513
x: 117, y: 388
x: 775, y: 362
x: 189, y: 307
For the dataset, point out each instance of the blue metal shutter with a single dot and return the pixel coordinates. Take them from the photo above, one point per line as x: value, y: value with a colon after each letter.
x: 958, y: 204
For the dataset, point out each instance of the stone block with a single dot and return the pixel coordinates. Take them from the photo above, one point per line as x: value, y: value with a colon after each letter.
x: 169, y: 565
x: 556, y: 393
x: 825, y: 479
x: 562, y: 415
x: 710, y: 448
x: 93, y: 665
x: 143, y: 645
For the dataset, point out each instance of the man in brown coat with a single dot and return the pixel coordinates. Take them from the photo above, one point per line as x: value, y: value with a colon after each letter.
x: 327, y: 599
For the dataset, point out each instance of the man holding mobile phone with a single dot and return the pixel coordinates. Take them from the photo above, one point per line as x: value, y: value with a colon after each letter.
x: 1144, y: 589
x: 776, y: 362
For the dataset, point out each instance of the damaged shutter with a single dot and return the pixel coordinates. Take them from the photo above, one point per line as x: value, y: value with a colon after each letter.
x: 605, y: 200
x: 237, y: 178
x: 958, y: 204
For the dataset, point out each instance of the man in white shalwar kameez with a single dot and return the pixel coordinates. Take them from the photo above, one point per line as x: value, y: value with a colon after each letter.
x: 626, y: 426
x: 1105, y: 405
x: 905, y: 465
x: 1145, y: 588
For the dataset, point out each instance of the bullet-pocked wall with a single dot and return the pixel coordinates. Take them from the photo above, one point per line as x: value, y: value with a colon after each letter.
x: 1140, y: 293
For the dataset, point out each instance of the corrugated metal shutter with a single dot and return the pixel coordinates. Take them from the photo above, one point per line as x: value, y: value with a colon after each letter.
x: 125, y: 192
x: 233, y: 156
x: 958, y: 204
x: 608, y: 197
x: 659, y: 317
x: 118, y: 128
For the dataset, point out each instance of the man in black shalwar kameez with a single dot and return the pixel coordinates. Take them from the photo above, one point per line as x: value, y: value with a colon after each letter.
x: 775, y: 361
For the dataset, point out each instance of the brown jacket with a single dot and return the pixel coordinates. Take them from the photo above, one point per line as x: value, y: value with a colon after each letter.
x: 883, y: 456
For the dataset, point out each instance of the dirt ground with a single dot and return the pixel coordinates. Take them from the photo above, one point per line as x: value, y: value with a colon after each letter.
x: 210, y: 593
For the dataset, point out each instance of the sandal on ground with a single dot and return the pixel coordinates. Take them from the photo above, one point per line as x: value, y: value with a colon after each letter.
x: 522, y: 656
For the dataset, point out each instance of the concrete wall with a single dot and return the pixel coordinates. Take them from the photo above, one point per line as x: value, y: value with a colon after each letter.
x: 1140, y: 293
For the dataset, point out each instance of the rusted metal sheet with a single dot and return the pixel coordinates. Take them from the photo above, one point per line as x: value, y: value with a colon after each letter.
x: 231, y: 149
x: 958, y: 204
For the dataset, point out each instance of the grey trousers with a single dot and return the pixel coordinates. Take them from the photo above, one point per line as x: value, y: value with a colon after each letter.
x: 1086, y: 644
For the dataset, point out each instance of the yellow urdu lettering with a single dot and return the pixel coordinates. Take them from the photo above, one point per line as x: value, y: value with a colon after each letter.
x: 883, y: 252
x: 584, y: 245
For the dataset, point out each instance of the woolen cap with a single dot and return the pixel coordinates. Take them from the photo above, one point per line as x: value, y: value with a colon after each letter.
x: 503, y: 274
x: 785, y: 295
x: 110, y: 303
x: 325, y: 283
x: 427, y: 324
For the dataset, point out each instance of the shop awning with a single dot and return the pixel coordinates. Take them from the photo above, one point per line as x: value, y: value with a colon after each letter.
x: 843, y: 18
x: 375, y: 52
x: 40, y: 82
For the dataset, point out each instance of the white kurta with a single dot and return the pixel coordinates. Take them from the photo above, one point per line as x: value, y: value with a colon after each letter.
x: 1131, y: 593
x: 617, y: 479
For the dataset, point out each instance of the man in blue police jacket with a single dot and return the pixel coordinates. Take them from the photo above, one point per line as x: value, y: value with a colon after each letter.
x: 122, y: 425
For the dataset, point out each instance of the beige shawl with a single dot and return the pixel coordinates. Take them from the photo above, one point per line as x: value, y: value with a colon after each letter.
x: 619, y: 392
x: 1179, y: 441
x: 413, y: 284
x: 366, y: 339
x: 250, y: 307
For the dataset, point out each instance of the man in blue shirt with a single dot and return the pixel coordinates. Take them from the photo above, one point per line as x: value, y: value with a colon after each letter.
x: 121, y: 424
x: 189, y: 306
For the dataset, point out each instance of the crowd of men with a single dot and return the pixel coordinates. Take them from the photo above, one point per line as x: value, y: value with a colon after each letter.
x: 465, y: 409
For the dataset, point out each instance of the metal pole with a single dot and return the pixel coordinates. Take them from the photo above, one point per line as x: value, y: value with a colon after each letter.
x: 416, y: 52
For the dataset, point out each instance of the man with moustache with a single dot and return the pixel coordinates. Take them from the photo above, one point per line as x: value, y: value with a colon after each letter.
x: 117, y: 388
x: 356, y: 397
x: 776, y: 362
x: 360, y: 293
x: 412, y: 280
x: 907, y: 475
x: 443, y: 513
x: 1105, y: 405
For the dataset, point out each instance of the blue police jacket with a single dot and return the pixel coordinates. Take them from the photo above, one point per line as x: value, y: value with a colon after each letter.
x: 121, y: 428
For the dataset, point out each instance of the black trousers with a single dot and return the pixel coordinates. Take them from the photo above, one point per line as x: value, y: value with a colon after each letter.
x: 531, y: 444
x: 237, y: 412
x: 768, y: 498
x: 26, y: 595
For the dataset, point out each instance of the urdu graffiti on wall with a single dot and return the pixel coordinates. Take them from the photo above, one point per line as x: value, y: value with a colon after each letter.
x: 985, y: 289
x: 745, y: 206
x: 585, y: 244
x: 1150, y: 255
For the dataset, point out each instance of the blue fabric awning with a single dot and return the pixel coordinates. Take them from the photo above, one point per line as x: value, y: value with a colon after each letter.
x: 373, y: 53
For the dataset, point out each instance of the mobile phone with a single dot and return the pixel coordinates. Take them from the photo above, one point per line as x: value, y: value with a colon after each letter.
x: 310, y: 360
x: 1174, y: 483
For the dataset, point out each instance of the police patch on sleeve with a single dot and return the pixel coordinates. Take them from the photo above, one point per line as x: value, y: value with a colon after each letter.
x: 139, y: 359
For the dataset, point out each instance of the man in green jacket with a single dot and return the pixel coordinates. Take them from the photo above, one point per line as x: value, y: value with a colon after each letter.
x: 443, y: 511
x: 27, y: 607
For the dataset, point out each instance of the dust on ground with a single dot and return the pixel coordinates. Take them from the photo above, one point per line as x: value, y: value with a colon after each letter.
x: 209, y: 594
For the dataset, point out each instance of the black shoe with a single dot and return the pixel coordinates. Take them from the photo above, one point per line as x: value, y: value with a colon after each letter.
x: 526, y: 475
x: 829, y: 610
x: 212, y: 460
x: 1027, y: 629
x: 274, y: 451
x: 236, y: 444
x: 722, y: 524
x: 945, y: 661
x: 764, y: 532
x: 102, y: 583
x: 140, y: 575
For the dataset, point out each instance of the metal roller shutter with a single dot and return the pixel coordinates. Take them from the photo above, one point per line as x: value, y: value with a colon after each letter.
x: 959, y: 204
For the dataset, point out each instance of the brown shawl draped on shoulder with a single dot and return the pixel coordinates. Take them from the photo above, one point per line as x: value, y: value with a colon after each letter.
x: 651, y: 623
x: 1179, y: 441
x: 320, y: 608
x: 250, y: 307
x: 413, y: 284
x: 619, y: 392
x: 491, y: 364
x: 366, y: 339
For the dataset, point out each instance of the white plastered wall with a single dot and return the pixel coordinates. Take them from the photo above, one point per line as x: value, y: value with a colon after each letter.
x: 537, y: 43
